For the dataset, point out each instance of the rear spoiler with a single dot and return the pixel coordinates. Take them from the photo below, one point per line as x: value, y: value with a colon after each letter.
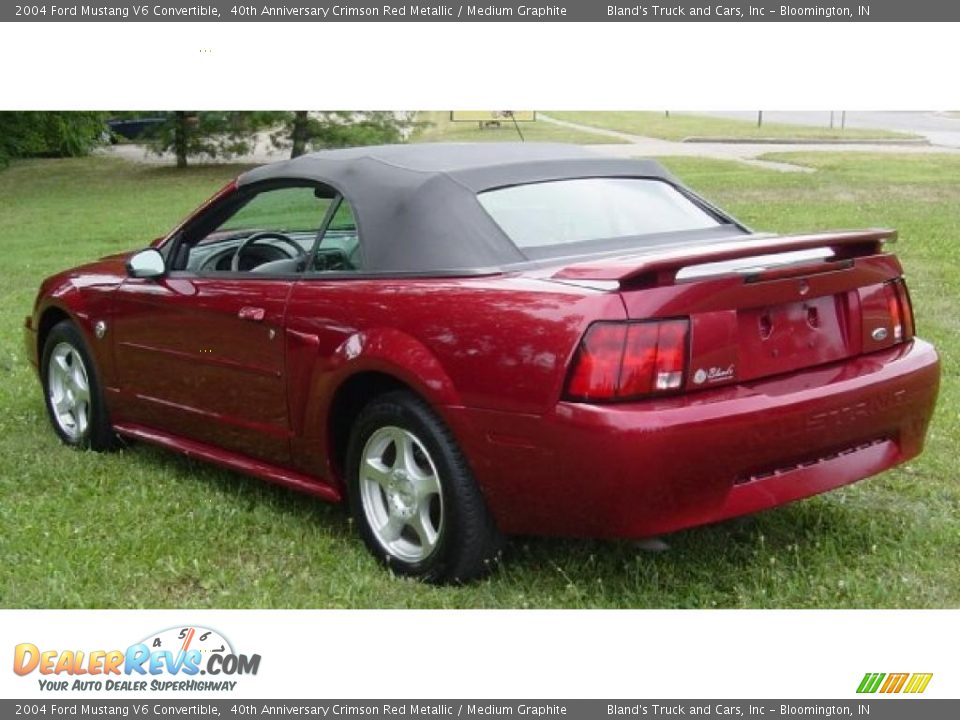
x: 661, y: 268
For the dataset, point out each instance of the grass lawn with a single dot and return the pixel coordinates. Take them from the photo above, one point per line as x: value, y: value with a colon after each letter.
x: 681, y: 125
x: 437, y: 127
x: 147, y: 528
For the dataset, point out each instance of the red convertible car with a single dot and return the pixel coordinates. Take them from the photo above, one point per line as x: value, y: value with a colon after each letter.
x: 471, y: 341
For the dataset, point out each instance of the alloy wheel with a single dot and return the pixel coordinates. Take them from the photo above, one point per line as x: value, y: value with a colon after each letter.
x: 400, y: 494
x: 68, y: 388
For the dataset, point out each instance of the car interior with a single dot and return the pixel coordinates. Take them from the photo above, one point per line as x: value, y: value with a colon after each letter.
x: 277, y: 231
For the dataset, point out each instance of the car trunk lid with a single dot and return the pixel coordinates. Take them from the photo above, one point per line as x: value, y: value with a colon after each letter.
x: 764, y: 305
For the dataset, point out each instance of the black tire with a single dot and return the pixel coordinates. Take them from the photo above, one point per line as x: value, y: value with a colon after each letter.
x: 97, y: 433
x: 468, y: 543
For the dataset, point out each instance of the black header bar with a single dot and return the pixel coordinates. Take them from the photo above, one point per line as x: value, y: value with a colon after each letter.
x: 484, y: 11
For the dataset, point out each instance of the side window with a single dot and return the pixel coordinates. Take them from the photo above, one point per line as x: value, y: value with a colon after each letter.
x: 272, y: 231
x: 339, y: 247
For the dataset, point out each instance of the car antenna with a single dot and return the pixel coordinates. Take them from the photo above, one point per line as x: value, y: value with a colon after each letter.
x: 509, y: 114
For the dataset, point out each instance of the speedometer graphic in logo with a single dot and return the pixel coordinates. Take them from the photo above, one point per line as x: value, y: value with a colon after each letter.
x: 183, y: 639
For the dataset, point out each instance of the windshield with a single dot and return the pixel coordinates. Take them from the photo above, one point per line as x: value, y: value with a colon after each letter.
x: 563, y: 212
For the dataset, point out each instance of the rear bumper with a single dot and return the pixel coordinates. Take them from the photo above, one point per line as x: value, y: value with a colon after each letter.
x: 647, y: 468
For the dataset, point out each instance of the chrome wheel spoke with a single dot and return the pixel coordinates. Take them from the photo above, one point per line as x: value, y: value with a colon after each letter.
x: 403, y: 449
x: 423, y: 527
x: 61, y: 404
x: 391, y: 529
x: 426, y: 485
x: 81, y: 388
x: 61, y: 364
x: 374, y: 470
x: 81, y: 417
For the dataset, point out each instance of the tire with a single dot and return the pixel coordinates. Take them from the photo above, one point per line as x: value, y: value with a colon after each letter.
x: 419, y: 510
x: 72, y: 391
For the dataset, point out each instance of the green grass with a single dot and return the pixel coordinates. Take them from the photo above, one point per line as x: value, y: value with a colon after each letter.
x: 437, y: 127
x: 287, y: 209
x: 681, y: 125
x: 147, y: 528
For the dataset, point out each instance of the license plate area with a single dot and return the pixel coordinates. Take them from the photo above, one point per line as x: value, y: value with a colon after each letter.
x: 781, y: 338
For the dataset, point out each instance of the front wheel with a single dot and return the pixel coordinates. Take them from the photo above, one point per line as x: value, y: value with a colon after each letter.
x: 413, y: 496
x: 72, y: 390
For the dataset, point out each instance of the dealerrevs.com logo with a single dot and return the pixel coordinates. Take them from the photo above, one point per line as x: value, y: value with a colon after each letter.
x: 178, y: 658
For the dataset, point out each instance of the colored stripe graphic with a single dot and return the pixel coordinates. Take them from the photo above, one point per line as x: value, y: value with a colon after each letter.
x: 918, y: 683
x: 894, y: 682
x: 870, y: 682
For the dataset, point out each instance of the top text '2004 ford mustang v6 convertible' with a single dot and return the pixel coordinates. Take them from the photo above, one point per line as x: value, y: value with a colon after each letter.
x: 471, y: 341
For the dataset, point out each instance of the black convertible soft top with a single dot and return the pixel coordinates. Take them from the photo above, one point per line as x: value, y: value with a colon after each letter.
x: 416, y: 205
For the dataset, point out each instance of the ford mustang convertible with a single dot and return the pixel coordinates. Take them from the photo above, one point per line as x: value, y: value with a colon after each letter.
x: 465, y: 342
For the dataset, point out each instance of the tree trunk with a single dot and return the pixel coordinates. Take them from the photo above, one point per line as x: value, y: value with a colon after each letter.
x: 299, y: 133
x: 180, y: 138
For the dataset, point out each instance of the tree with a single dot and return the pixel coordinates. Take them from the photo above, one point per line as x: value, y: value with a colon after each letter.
x: 210, y: 134
x: 299, y: 133
x: 49, y: 134
x: 302, y: 130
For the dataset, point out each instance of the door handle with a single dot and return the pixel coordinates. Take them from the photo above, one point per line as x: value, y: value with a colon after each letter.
x: 249, y: 312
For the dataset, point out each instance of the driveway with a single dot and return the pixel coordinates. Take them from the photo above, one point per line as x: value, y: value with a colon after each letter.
x: 939, y: 128
x: 746, y: 152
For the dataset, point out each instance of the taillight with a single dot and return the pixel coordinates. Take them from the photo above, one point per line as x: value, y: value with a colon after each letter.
x: 621, y: 361
x: 906, y: 308
x: 596, y: 370
x: 900, y: 309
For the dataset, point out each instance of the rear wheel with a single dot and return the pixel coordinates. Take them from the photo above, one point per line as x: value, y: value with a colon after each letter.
x: 72, y: 390
x: 413, y: 496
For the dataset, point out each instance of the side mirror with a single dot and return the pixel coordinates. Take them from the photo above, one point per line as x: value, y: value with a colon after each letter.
x: 146, y: 264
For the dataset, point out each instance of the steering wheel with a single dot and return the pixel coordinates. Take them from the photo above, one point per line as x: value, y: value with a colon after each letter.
x: 265, y: 235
